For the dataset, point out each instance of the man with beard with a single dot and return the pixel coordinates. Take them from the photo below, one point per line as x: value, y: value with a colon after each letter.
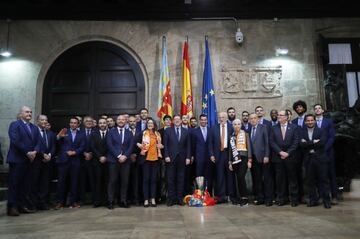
x: 110, y: 123
x: 245, y: 125
x: 231, y: 114
x: 141, y: 125
x: 300, y: 108
x: 259, y: 111
x: 185, y: 121
x: 193, y: 122
x: 273, y: 116
x: 313, y: 142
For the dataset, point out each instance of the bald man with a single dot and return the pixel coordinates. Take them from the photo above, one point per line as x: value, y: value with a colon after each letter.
x: 24, y: 146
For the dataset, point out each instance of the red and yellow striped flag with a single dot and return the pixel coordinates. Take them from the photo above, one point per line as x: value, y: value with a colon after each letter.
x: 186, y: 96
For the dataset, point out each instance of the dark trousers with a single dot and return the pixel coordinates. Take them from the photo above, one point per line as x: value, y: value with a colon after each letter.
x: 40, y: 181
x: 150, y: 170
x: 285, y: 171
x: 317, y: 174
x: 240, y: 172
x: 136, y: 177
x: 189, y: 179
x: 263, y: 183
x: 18, y: 184
x: 86, y: 180
x: 332, y: 174
x: 116, y: 171
x: 300, y: 172
x: 224, y: 177
x: 69, y: 169
x: 100, y: 182
x: 161, y: 181
x: 206, y: 168
x: 175, y: 178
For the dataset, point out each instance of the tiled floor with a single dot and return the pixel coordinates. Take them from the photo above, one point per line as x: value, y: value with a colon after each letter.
x: 221, y: 221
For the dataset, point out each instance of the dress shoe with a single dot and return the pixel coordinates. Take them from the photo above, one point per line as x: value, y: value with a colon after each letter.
x: 268, y: 204
x: 153, y: 202
x: 181, y: 202
x: 13, y: 212
x: 58, y: 206
x: 280, y: 203
x: 124, y: 205
x: 75, y: 205
x: 26, y: 210
x: 327, y: 205
x: 97, y: 204
x: 294, y: 204
x: 169, y: 203
x: 259, y: 202
x: 244, y: 202
x: 313, y: 204
x: 146, y: 203
x: 110, y: 206
x: 334, y: 201
x: 221, y: 200
x: 42, y: 207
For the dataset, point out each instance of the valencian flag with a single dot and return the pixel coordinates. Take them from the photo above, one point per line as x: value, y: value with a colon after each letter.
x: 208, y: 94
x: 164, y: 102
x: 186, y: 96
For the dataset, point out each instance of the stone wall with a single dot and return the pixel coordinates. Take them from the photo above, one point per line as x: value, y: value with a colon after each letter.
x: 36, y: 44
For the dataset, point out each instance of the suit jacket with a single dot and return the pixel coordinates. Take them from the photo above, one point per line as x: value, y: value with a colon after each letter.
x: 138, y: 126
x: 22, y: 141
x: 247, y: 130
x: 328, y: 126
x: 199, y: 146
x: 115, y: 147
x: 289, y: 144
x: 87, y: 140
x: 215, y: 140
x: 295, y: 122
x: 260, y: 144
x: 66, y: 144
x: 51, y: 147
x: 98, y: 145
x: 309, y: 145
x: 173, y: 147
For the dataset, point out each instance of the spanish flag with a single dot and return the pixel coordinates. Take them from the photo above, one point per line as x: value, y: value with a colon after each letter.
x: 164, y: 101
x: 186, y: 96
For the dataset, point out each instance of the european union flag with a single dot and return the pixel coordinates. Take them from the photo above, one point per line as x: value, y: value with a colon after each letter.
x: 208, y: 94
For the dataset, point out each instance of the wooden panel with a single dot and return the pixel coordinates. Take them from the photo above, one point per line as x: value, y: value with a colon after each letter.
x: 117, y: 101
x: 116, y: 79
x: 73, y: 80
x: 70, y: 101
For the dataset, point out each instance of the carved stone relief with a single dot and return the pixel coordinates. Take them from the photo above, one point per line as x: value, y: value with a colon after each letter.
x: 250, y: 83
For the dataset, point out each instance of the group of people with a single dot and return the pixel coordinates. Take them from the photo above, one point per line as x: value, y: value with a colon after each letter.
x: 130, y: 161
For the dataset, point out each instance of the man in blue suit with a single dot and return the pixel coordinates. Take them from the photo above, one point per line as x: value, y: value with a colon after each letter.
x: 141, y: 125
x: 245, y: 125
x: 24, y: 145
x: 259, y: 111
x: 284, y: 141
x: 177, y: 153
x: 312, y: 142
x: 120, y: 142
x: 72, y: 146
x: 328, y: 126
x: 219, y: 148
x: 200, y: 151
x: 41, y: 167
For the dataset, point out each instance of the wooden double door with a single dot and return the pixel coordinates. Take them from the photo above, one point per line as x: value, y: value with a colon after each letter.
x: 92, y: 78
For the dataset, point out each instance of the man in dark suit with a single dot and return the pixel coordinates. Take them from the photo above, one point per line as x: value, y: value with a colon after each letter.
x: 86, y: 166
x: 24, y: 145
x: 99, y: 151
x: 141, y: 125
x: 110, y: 122
x: 41, y: 166
x: 219, y: 148
x: 284, y: 141
x: 273, y: 116
x: 328, y: 126
x: 177, y: 153
x: 259, y: 111
x: 313, y: 141
x: 162, y: 181
x: 245, y: 125
x: 200, y: 151
x: 120, y: 143
x: 300, y: 108
x: 261, y: 169
x: 72, y: 146
x: 231, y: 114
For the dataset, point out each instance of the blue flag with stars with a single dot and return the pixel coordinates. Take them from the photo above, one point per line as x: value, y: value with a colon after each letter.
x: 208, y: 94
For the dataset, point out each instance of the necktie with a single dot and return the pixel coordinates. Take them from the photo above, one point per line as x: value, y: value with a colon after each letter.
x: 87, y: 132
x: 103, y: 135
x: 283, y: 131
x: 318, y: 123
x: 178, y: 133
x: 222, y: 138
x: 253, y: 133
x: 121, y: 136
x: 28, y: 127
x: 73, y: 134
x: 45, y: 137
x: 133, y: 131
x: 204, y: 133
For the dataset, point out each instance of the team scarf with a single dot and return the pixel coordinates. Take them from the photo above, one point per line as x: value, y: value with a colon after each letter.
x: 146, y: 141
x: 238, y: 143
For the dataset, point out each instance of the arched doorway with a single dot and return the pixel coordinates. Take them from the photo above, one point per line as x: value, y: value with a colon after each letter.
x: 92, y: 78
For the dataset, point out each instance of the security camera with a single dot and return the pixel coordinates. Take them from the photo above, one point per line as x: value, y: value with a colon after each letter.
x: 239, y: 36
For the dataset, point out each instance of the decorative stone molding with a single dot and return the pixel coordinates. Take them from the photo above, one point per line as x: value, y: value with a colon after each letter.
x: 250, y: 83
